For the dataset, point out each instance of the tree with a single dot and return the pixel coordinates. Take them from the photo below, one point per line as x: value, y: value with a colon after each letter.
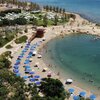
x: 3, y: 91
x: 56, y: 20
x: 45, y: 21
x: 47, y: 8
x: 63, y: 10
x: 1, y: 22
x: 21, y: 21
x: 54, y: 9
x: 44, y: 7
x: 26, y: 29
x: 66, y: 17
x: 57, y: 9
x: 35, y: 22
x: 51, y: 8
x: 60, y: 10
x: 52, y: 88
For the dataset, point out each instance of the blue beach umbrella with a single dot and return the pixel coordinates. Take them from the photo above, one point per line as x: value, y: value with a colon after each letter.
x: 83, y: 94
x: 38, y: 83
x: 31, y: 72
x: 16, y: 66
x: 24, y: 50
x: 18, y: 74
x: 27, y: 67
x: 18, y: 60
x: 32, y: 49
x: 32, y: 79
x: 28, y: 56
x: 15, y: 70
x: 22, y: 54
x: 25, y: 77
x: 27, y: 46
x: 26, y: 62
x: 16, y: 63
x: 20, y: 57
x: 71, y: 90
x: 92, y: 97
x: 36, y: 76
x: 76, y: 98
x: 30, y: 52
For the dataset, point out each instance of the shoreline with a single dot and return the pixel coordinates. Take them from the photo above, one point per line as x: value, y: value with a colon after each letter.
x: 57, y: 67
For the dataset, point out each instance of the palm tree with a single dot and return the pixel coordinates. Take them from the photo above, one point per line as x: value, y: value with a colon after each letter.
x: 63, y: 10
x: 50, y: 8
x: 57, y: 9
x: 44, y: 7
x: 47, y: 8
x: 54, y: 9
x: 60, y: 10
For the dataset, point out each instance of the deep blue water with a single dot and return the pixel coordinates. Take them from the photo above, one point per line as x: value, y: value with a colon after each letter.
x: 89, y: 9
x: 77, y: 56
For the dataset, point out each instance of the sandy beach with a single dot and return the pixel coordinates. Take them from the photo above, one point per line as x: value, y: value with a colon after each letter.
x: 79, y: 25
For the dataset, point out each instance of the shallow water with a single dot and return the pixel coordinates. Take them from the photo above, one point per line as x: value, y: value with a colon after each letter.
x: 76, y: 56
x: 89, y: 9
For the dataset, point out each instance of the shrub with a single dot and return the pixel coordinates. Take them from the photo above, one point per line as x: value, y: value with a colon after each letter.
x: 21, y: 21
x: 3, y: 13
x: 4, y: 62
x: 52, y: 88
x: 21, y: 39
x: 8, y: 46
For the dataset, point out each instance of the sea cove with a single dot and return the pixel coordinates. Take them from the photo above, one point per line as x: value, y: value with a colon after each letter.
x: 76, y: 56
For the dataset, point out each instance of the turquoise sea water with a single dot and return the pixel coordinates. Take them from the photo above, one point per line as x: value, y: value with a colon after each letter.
x: 76, y: 56
x: 89, y: 9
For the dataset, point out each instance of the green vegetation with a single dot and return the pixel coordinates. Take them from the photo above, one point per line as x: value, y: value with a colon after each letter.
x: 52, y: 88
x: 14, y: 88
x: 19, y: 21
x: 3, y: 13
x: 4, y: 62
x: 9, y: 35
x: 56, y: 20
x: 21, y: 39
x: 45, y: 21
x: 11, y: 86
x: 98, y: 25
x: 9, y: 47
x: 54, y: 9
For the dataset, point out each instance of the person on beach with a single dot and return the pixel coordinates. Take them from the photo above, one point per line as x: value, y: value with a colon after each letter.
x: 58, y: 73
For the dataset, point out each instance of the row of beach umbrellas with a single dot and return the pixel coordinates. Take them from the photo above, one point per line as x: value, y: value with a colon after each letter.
x: 27, y: 67
x: 18, y: 61
x: 27, y: 63
x: 81, y: 94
